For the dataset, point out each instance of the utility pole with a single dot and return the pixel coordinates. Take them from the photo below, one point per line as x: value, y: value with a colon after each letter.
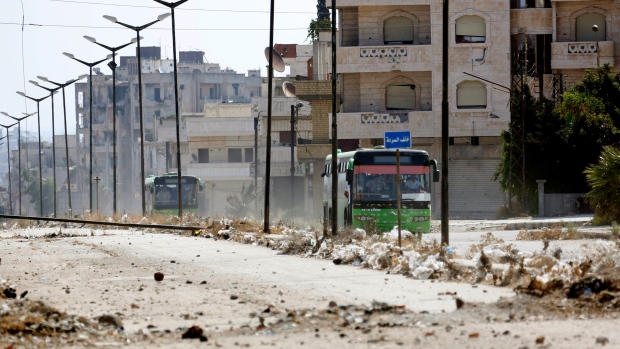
x: 445, y: 130
x: 334, y: 213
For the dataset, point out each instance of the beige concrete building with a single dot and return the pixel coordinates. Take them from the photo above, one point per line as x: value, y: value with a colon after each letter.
x: 200, y: 83
x: 389, y: 62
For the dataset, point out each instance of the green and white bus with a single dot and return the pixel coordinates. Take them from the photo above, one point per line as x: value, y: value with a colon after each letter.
x: 368, y: 184
x: 162, y: 193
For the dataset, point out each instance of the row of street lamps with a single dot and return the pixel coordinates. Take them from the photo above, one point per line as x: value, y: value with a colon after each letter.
x: 112, y: 64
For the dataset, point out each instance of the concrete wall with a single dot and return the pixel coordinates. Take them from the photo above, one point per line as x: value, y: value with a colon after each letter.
x: 565, y: 204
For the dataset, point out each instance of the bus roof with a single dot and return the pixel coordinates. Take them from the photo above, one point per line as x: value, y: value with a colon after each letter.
x: 150, y: 180
x: 372, y: 151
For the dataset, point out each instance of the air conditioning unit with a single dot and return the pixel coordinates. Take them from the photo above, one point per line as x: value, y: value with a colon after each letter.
x: 74, y: 187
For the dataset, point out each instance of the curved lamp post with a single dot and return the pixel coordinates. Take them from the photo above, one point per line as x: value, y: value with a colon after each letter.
x: 19, y: 153
x: 38, y: 100
x: 52, y: 92
x: 112, y: 65
x: 8, y: 156
x: 172, y: 6
x: 64, y: 107
x: 137, y: 30
x: 8, y: 161
x: 90, y: 123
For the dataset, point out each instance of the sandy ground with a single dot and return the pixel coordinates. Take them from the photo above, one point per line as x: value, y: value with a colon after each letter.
x: 250, y: 296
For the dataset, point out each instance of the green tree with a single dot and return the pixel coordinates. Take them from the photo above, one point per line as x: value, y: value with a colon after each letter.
x: 320, y: 23
x: 240, y: 203
x: 604, y: 179
x: 592, y: 121
x: 542, y: 142
x: 321, y: 10
x: 560, y: 143
x: 316, y: 26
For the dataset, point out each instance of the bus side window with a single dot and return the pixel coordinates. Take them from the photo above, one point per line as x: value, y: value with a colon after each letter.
x: 349, y: 176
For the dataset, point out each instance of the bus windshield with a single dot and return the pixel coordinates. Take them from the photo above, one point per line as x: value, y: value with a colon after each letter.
x: 373, y: 183
x: 166, y: 192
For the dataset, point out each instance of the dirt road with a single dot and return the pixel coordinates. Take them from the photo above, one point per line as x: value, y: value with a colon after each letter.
x: 251, y: 296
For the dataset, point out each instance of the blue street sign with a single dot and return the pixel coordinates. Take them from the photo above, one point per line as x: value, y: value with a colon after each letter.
x: 397, y: 139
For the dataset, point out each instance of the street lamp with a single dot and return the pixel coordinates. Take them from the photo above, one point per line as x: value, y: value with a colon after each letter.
x: 256, y: 121
x: 137, y: 30
x: 52, y: 92
x: 19, y: 153
x: 9, y: 172
x: 8, y: 156
x: 172, y: 6
x: 112, y: 65
x: 38, y: 100
x: 595, y: 30
x: 64, y: 107
x: 294, y: 111
x: 90, y: 123
x: 165, y: 156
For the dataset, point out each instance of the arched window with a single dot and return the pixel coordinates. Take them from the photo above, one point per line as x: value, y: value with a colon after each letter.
x: 471, y: 95
x: 398, y: 30
x: 400, y: 97
x: 470, y: 29
x: 583, y: 27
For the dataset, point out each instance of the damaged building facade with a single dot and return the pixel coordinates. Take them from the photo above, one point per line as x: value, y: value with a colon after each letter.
x: 200, y: 83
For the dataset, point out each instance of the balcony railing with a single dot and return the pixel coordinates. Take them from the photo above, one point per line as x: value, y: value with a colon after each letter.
x: 374, y: 125
x: 210, y: 171
x: 385, y: 58
x: 581, y: 55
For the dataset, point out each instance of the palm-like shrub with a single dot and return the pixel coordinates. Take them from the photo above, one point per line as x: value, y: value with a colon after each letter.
x: 604, y: 181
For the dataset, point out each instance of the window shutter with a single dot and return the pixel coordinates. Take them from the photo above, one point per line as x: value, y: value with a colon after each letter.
x: 471, y: 94
x: 398, y: 29
x: 583, y: 27
x: 400, y: 97
x: 471, y: 26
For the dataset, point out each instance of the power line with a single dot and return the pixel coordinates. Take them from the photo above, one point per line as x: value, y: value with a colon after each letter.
x: 167, y: 29
x: 180, y: 9
x: 23, y: 58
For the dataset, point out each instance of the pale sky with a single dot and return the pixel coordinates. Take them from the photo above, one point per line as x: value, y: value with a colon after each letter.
x: 233, y: 33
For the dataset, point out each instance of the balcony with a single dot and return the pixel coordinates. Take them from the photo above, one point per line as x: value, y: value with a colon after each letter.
x: 581, y: 55
x: 374, y: 125
x: 531, y: 20
x: 282, y: 154
x: 224, y: 171
x: 99, y: 127
x: 360, y: 59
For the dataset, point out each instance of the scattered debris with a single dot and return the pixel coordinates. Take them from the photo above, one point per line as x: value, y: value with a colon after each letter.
x: 602, y: 340
x: 159, y: 276
x: 194, y: 332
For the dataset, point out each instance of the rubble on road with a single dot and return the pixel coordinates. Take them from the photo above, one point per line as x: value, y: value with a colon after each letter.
x: 32, y: 324
x: 548, y: 284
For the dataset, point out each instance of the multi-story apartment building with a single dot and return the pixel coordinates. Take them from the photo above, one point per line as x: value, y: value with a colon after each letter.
x: 223, y: 148
x: 200, y: 83
x: 390, y: 68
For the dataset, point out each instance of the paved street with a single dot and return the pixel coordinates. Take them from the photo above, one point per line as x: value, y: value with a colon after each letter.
x: 222, y: 286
